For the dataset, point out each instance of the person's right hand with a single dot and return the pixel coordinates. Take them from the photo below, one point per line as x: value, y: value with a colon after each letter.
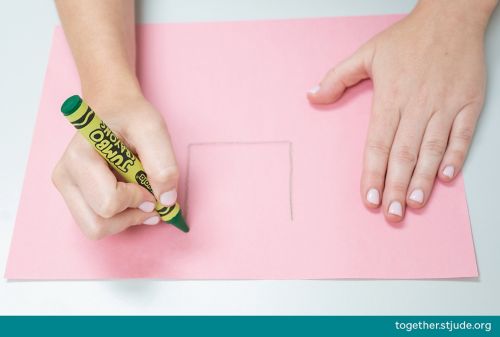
x: 100, y: 203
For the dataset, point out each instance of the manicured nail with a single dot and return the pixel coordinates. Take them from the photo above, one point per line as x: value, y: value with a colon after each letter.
x: 417, y: 195
x: 168, y: 198
x: 373, y: 196
x: 314, y: 89
x: 395, y: 208
x: 152, y: 221
x: 147, y: 206
x: 449, y: 171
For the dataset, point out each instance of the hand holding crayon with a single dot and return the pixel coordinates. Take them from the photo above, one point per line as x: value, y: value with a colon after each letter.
x: 101, y: 204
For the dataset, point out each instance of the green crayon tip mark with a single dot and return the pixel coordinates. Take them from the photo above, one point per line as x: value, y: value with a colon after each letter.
x: 178, y: 221
x: 71, y: 105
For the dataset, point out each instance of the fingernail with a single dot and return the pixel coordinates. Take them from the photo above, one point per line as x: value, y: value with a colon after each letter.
x: 152, y: 221
x: 168, y: 198
x: 417, y: 195
x: 314, y: 89
x: 395, y: 208
x: 373, y: 196
x: 449, y: 171
x: 147, y: 206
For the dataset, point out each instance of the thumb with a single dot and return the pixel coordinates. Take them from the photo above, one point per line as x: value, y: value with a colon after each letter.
x: 151, y: 141
x: 346, y: 74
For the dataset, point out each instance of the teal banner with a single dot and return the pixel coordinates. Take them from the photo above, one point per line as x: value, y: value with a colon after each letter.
x: 91, y: 326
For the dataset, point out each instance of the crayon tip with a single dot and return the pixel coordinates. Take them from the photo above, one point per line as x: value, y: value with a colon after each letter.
x: 179, y: 222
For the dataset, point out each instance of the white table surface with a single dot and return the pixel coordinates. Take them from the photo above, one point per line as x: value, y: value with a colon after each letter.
x: 26, y: 30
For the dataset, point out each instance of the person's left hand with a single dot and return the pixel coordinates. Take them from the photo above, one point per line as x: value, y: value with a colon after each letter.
x: 428, y: 72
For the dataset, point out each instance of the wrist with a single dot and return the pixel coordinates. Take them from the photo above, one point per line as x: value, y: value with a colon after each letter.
x: 472, y: 13
x: 106, y: 93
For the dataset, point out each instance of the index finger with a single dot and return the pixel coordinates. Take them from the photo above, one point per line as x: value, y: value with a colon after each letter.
x: 381, y: 131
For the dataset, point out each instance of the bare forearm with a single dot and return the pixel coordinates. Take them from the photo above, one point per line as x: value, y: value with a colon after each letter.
x: 101, y: 35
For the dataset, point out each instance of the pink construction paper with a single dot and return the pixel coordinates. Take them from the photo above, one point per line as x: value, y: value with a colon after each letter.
x: 269, y: 183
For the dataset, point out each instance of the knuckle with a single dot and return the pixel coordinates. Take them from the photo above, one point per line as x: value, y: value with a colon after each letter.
x: 57, y: 175
x: 434, y: 146
x: 373, y: 175
x: 130, y: 193
x: 107, y: 207
x: 405, y: 155
x: 168, y: 175
x: 386, y: 112
x: 72, y: 154
x: 122, y: 189
x: 94, y: 231
x: 425, y: 176
x: 151, y: 122
x: 464, y: 134
x: 390, y: 93
x: 421, y: 99
x: 332, y: 72
x: 398, y: 187
x: 378, y: 148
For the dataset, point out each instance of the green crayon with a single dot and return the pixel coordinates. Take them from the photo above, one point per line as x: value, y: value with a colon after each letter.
x: 109, y: 146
